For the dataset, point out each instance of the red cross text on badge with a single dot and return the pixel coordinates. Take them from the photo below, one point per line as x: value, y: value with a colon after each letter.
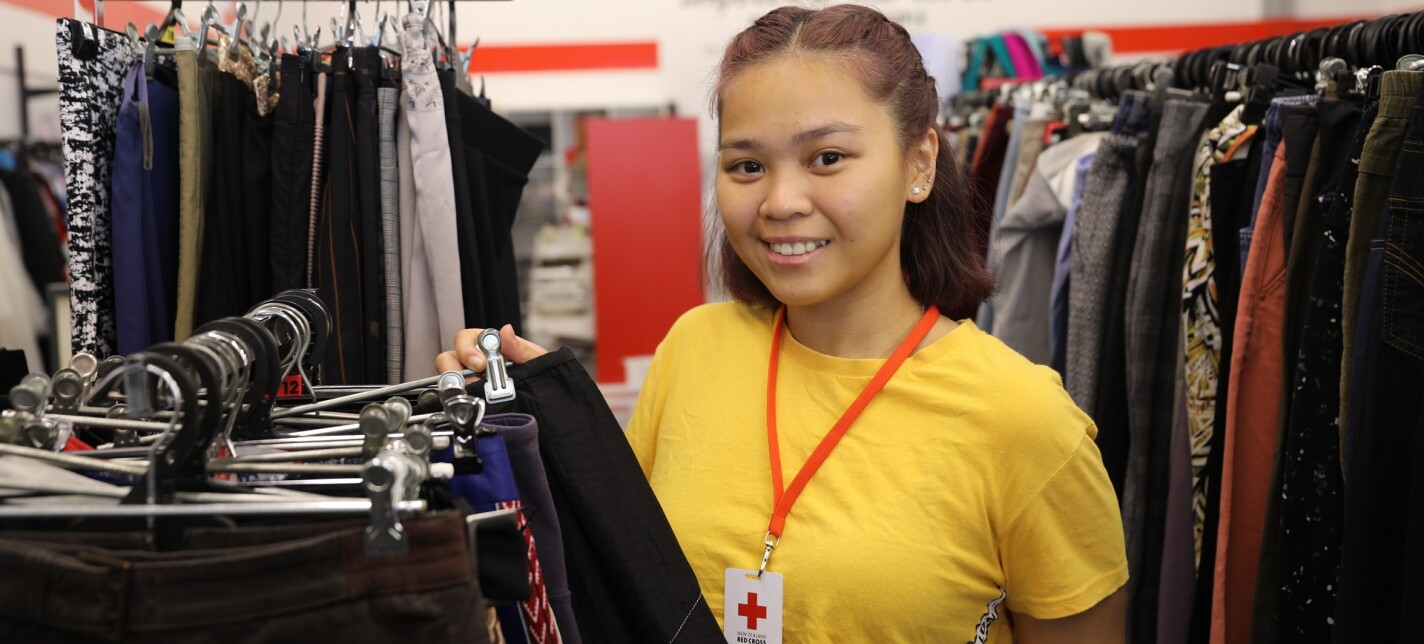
x: 751, y: 611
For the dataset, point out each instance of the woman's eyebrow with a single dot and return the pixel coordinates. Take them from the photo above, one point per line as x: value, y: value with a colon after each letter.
x: 834, y: 127
x: 800, y: 138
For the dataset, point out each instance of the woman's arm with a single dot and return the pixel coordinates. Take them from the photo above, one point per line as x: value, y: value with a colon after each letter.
x: 1105, y: 623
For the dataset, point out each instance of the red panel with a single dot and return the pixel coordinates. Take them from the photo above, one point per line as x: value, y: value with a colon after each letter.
x: 116, y: 14
x: 645, y: 203
x: 490, y: 59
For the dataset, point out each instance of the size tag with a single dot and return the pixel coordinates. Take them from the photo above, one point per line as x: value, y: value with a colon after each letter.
x: 751, y: 612
x: 293, y: 386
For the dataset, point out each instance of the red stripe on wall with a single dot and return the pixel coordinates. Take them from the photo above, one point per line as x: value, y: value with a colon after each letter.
x: 116, y: 14
x: 1179, y: 37
x: 492, y: 59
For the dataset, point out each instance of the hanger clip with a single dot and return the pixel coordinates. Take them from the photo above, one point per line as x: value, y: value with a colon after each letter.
x: 499, y: 387
x: 386, y: 480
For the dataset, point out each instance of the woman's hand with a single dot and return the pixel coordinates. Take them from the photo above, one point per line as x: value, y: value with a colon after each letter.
x: 467, y: 354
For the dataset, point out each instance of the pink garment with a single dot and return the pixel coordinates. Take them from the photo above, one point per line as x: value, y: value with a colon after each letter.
x: 1021, y: 54
x: 1252, y: 410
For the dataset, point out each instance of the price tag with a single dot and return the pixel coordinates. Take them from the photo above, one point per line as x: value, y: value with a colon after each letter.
x: 293, y: 386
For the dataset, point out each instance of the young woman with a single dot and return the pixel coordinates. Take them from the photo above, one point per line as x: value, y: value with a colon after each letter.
x: 954, y: 492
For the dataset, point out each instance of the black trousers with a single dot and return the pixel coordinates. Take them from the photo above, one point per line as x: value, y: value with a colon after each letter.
x: 498, y: 158
x: 234, y: 272
x: 1308, y: 529
x: 367, y: 71
x: 339, y: 239
x: 1382, y: 561
x: 628, y: 577
x: 257, y: 206
x: 293, y: 135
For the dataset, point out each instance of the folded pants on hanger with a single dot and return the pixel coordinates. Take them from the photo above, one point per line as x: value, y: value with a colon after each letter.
x: 317, y: 588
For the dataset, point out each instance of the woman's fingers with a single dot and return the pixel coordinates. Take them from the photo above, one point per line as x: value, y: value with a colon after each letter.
x: 467, y: 353
x: 517, y: 349
x: 448, y: 362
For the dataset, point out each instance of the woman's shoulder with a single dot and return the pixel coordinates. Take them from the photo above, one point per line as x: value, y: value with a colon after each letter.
x: 720, y: 320
x: 1021, y: 401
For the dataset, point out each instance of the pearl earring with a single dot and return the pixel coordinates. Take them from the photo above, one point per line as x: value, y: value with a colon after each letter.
x: 916, y: 190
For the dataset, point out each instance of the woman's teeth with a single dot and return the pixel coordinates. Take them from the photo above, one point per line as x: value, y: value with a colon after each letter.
x: 798, y: 248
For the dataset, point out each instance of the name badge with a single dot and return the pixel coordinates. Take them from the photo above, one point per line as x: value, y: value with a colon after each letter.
x: 751, y: 607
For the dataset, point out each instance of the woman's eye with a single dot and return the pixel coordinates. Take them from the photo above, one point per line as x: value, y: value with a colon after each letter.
x: 746, y: 167
x: 828, y: 158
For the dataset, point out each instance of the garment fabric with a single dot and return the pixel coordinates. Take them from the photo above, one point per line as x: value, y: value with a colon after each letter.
x: 433, y: 277
x: 1178, y: 571
x: 1274, y: 134
x: 955, y: 560
x: 339, y: 275
x: 34, y: 227
x: 1012, y: 150
x: 226, y: 273
x: 988, y: 163
x: 1300, y: 128
x: 1231, y: 190
x: 494, y: 488
x: 1202, y: 327
x: 366, y: 67
x: 206, y: 591
x: 1106, y: 220
x: 1025, y: 241
x: 236, y: 270
x: 629, y: 578
x: 318, y: 184
x: 389, y: 100
x: 1378, y: 162
x: 1063, y: 268
x: 1031, y: 145
x: 257, y: 159
x: 498, y: 157
x: 1002, y: 199
x: 1310, y: 515
x: 1253, y: 404
x: 293, y: 138
x: 195, y: 153
x: 1384, y: 487
x: 145, y: 212
x: 471, y: 279
x: 90, y: 92
x: 521, y: 437
x: 1152, y: 322
x: 1300, y: 125
x: 23, y: 314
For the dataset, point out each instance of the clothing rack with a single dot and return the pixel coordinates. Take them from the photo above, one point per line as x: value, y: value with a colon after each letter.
x: 27, y: 92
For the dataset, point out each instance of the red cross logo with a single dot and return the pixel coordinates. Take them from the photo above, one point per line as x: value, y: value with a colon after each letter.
x: 751, y: 611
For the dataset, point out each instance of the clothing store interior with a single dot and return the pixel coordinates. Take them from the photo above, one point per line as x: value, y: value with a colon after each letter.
x: 236, y: 235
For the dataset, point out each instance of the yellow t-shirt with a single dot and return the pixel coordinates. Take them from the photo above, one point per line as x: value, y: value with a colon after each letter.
x: 971, y: 484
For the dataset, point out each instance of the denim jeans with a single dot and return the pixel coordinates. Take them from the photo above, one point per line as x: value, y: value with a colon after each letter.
x: 1381, y: 559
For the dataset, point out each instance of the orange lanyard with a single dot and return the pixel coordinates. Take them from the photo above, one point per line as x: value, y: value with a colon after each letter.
x: 786, y: 497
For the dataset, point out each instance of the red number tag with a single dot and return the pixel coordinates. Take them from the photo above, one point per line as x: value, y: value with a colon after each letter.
x: 292, y: 387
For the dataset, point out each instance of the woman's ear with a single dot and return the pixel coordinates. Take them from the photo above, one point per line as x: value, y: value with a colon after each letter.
x: 923, y: 153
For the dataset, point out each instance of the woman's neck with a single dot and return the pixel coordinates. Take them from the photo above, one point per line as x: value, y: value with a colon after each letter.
x: 869, y: 325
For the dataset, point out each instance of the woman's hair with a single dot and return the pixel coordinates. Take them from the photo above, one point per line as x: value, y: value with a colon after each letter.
x: 944, y: 242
